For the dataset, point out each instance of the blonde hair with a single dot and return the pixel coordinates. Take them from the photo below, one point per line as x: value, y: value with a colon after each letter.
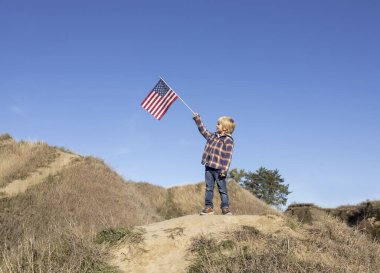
x: 228, y: 124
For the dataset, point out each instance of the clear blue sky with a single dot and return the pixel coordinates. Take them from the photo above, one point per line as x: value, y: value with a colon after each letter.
x: 301, y: 78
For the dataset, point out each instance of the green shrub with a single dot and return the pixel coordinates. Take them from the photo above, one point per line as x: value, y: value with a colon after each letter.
x: 5, y: 136
x: 114, y: 235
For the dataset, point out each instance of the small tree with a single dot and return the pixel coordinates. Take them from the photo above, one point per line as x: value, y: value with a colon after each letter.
x: 237, y: 175
x: 267, y: 185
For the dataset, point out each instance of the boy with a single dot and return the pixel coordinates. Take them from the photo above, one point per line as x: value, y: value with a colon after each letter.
x: 217, y: 158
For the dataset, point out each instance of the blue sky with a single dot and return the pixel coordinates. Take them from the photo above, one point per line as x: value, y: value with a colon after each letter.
x: 300, y: 78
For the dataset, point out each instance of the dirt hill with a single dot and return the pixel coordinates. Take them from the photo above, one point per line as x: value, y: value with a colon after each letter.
x: 164, y: 246
x: 62, y: 212
x: 243, y: 243
x: 48, y: 191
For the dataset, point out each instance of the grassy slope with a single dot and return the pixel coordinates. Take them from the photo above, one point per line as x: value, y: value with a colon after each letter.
x: 189, y: 199
x: 364, y: 216
x: 19, y: 159
x: 70, y: 207
x: 50, y: 227
x: 328, y: 245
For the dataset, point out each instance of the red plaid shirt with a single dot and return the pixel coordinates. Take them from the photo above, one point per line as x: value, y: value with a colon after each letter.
x: 218, y: 150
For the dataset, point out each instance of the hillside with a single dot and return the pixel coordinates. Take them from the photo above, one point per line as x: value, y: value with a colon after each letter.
x: 53, y: 202
x: 164, y: 246
x: 243, y: 243
x: 364, y: 216
x: 62, y: 212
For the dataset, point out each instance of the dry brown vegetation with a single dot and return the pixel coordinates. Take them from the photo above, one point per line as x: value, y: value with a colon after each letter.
x: 52, y: 226
x: 364, y: 216
x: 189, y: 199
x: 62, y: 215
x: 326, y: 246
x: 19, y: 159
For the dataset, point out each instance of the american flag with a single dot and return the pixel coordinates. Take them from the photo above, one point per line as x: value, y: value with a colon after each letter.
x: 159, y: 100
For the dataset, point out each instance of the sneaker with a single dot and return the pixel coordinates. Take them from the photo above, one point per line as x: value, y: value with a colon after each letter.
x: 207, y: 211
x: 226, y: 211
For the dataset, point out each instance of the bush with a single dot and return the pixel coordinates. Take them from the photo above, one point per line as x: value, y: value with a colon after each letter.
x: 112, y: 235
x: 5, y: 136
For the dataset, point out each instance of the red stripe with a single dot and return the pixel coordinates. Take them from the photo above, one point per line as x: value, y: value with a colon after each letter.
x: 162, y: 103
x: 146, y: 98
x: 163, y: 110
x: 153, y: 102
x: 153, y: 107
x: 159, y: 102
x: 149, y: 101
x: 167, y: 100
x: 167, y: 108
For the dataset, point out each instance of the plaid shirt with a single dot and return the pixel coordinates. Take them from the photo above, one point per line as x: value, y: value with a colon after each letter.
x: 218, y: 150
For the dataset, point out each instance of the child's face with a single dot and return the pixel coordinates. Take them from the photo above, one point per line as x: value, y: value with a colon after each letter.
x: 219, y: 128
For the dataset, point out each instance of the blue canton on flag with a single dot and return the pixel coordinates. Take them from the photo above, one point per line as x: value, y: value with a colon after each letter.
x: 161, y: 88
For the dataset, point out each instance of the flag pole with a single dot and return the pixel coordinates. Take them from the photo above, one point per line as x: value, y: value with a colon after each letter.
x: 177, y: 95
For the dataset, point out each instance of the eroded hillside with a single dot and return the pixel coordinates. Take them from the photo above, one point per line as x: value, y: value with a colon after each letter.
x: 244, y: 243
x: 53, y: 202
x: 62, y: 212
x: 364, y: 216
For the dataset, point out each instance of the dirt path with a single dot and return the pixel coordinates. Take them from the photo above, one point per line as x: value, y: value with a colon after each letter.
x: 165, y: 244
x: 36, y: 177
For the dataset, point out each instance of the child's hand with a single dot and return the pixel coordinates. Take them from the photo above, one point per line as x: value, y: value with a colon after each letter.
x: 196, y: 115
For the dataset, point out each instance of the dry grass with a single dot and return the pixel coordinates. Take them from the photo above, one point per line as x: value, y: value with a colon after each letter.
x: 189, y: 199
x: 86, y: 195
x: 5, y: 137
x: 58, y: 251
x: 152, y: 196
x: 19, y: 159
x: 83, y: 199
x: 80, y: 201
x: 56, y: 221
x: 364, y: 216
x: 303, y: 212
x: 52, y: 226
x: 326, y: 246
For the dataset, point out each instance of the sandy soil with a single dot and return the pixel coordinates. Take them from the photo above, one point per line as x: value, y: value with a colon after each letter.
x: 165, y: 244
x: 21, y: 185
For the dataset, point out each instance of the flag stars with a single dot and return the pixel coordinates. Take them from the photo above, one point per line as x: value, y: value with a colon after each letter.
x: 161, y: 88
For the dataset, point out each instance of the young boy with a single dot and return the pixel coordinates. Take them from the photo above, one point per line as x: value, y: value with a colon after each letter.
x: 217, y: 158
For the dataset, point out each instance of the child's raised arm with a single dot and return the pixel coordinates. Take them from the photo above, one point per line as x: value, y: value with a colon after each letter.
x: 202, y: 129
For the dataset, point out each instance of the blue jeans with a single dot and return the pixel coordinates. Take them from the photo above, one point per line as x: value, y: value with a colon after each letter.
x: 211, y: 176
